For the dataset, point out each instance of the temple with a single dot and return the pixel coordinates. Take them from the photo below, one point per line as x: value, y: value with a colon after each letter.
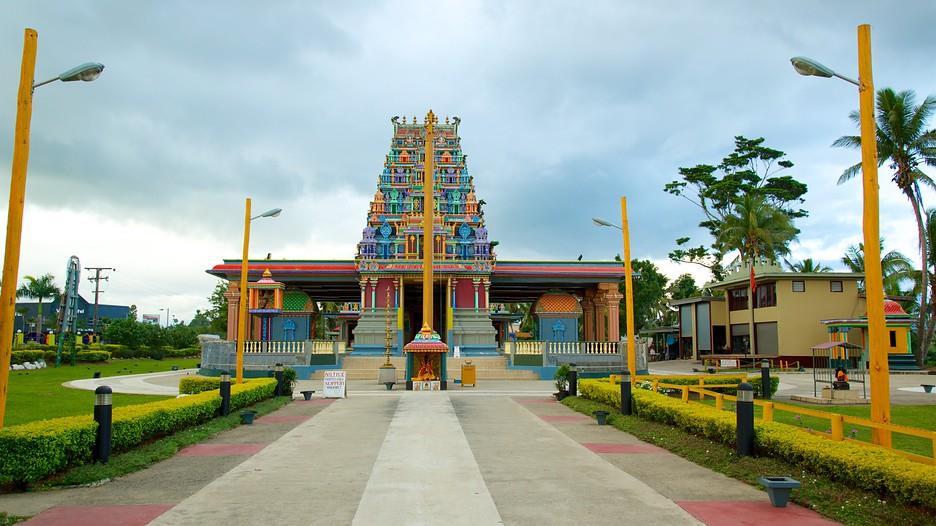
x: 573, y: 301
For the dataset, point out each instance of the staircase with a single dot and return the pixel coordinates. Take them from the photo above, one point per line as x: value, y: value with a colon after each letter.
x: 903, y: 363
x: 487, y: 368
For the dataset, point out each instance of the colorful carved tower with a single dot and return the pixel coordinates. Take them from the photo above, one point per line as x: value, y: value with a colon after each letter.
x: 392, y: 249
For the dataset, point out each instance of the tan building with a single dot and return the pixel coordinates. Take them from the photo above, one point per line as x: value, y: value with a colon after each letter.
x: 787, y: 311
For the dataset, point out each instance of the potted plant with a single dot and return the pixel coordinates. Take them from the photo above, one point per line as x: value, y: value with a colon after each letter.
x: 778, y: 489
x: 389, y: 385
x: 927, y: 387
x: 307, y: 395
x: 601, y: 416
x: 562, y: 382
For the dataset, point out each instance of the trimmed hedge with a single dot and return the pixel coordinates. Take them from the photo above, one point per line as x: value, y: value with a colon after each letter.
x: 156, y: 353
x: 92, y: 356
x: 872, y: 468
x: 33, y: 451
x: 21, y: 357
x: 197, y: 384
x: 716, y: 380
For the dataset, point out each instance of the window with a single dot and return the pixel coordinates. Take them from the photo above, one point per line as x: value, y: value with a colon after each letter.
x: 799, y: 286
x: 893, y: 338
x: 765, y: 295
x: 737, y: 299
x: 835, y: 286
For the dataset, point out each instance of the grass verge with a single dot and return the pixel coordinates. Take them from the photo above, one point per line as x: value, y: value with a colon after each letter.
x: 40, y: 395
x: 8, y: 520
x: 148, y: 454
x: 831, y: 498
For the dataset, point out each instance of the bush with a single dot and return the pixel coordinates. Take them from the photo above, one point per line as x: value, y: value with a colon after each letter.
x: 21, y: 357
x: 871, y: 468
x: 716, y: 380
x: 187, y: 352
x: 289, y: 380
x: 197, y: 384
x: 33, y: 451
x: 91, y: 356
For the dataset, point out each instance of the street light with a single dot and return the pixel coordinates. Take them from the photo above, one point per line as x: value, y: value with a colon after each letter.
x: 167, y: 316
x: 874, y: 287
x: 14, y: 232
x: 242, y: 305
x: 628, y: 285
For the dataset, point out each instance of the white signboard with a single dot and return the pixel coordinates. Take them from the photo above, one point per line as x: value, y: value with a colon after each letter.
x: 456, y: 352
x: 336, y: 385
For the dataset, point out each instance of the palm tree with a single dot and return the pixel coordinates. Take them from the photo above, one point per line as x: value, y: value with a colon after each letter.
x: 896, y: 268
x: 38, y: 288
x: 904, y: 141
x: 807, y: 266
x: 757, y: 231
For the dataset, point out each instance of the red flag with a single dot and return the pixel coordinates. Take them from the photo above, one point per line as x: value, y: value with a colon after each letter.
x: 753, y: 281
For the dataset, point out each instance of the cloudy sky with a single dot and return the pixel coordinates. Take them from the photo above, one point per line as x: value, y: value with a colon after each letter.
x: 565, y: 107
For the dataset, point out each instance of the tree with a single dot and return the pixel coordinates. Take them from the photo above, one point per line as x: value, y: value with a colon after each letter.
x: 750, y: 170
x: 218, y: 312
x: 200, y: 321
x: 757, y: 230
x: 903, y: 140
x: 132, y: 313
x: 649, y: 296
x: 683, y: 287
x: 896, y: 268
x: 807, y: 266
x: 39, y: 288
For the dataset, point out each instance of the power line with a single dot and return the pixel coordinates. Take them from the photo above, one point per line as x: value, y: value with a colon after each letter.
x: 97, y: 278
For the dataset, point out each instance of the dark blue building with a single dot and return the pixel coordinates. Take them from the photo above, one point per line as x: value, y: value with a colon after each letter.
x: 27, y: 314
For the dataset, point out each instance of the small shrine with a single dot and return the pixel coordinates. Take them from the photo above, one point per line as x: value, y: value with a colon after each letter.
x: 265, y: 301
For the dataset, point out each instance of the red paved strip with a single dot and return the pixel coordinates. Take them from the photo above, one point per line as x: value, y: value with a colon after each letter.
x: 521, y: 400
x: 221, y: 450
x: 282, y: 419
x: 123, y: 515
x: 564, y: 418
x: 316, y: 401
x: 751, y: 513
x: 622, y: 448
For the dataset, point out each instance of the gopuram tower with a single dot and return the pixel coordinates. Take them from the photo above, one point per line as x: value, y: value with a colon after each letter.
x: 430, y: 249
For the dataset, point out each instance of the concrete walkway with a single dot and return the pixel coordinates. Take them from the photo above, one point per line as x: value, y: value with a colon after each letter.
x: 455, y: 457
x: 164, y: 383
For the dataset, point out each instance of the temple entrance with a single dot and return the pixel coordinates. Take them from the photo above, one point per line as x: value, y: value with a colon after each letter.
x: 412, y: 310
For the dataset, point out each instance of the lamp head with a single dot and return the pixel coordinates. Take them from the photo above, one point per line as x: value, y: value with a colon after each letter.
x: 810, y: 68
x: 601, y: 222
x: 86, y: 72
x: 272, y: 213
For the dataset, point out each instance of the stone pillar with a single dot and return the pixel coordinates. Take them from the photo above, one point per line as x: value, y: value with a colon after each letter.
x: 233, y: 299
x: 601, y: 323
x: 614, y: 306
x: 588, y: 315
x: 363, y: 284
x: 373, y: 294
x: 487, y: 294
x: 476, y: 282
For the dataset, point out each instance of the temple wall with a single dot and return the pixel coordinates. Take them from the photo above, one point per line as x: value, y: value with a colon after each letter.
x: 473, y: 332
x: 371, y: 332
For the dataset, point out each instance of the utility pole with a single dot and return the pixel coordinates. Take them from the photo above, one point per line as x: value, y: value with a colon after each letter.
x: 97, y: 289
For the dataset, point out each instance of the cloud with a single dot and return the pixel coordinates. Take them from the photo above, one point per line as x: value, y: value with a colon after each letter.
x: 563, y: 111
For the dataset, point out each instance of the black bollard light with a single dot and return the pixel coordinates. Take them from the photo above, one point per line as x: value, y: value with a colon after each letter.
x: 225, y: 394
x: 745, y: 421
x: 103, y: 416
x: 626, y: 397
x: 765, y: 379
x: 278, y: 373
x: 573, y: 380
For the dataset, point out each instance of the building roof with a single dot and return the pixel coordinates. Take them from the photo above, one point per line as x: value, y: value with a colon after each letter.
x: 696, y: 299
x: 557, y: 303
x: 744, y: 277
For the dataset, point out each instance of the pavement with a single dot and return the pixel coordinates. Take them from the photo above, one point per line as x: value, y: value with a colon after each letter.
x: 164, y: 383
x: 489, y: 455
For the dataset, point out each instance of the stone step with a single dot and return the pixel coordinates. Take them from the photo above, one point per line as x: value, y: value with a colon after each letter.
x: 486, y: 368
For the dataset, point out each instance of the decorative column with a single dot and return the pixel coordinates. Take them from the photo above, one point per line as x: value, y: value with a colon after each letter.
x: 233, y: 299
x: 600, y: 318
x: 373, y: 294
x: 614, y: 325
x: 588, y: 315
x: 476, y: 282
x: 363, y: 284
x: 487, y: 293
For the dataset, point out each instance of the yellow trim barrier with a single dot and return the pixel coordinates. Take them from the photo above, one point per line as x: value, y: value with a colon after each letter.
x: 836, y: 421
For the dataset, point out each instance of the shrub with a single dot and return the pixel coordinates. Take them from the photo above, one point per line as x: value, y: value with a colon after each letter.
x: 21, y: 357
x: 92, y: 356
x: 33, y: 451
x: 197, y: 384
x: 289, y: 380
x: 716, y: 380
x: 562, y: 377
x: 871, y: 468
x: 187, y: 352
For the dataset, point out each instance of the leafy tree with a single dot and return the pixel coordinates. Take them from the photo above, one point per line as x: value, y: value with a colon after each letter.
x: 903, y: 140
x: 807, y: 266
x: 750, y: 170
x: 649, y: 296
x: 39, y: 288
x: 180, y: 336
x: 683, y: 287
x: 199, y: 322
x: 896, y: 268
x: 132, y: 313
x: 218, y: 312
x: 126, y: 332
x: 324, y: 323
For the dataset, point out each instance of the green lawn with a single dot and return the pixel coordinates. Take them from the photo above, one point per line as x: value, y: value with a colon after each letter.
x: 39, y: 394
x: 919, y: 416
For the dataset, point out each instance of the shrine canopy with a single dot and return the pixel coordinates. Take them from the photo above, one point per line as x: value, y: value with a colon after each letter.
x: 511, y: 281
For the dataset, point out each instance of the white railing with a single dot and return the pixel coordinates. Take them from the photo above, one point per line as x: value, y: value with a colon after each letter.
x: 284, y: 347
x: 524, y: 347
x: 329, y: 347
x: 583, y: 348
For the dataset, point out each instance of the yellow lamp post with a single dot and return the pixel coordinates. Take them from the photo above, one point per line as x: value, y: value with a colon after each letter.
x: 628, y: 285
x: 86, y: 72
x: 874, y: 286
x: 242, y: 289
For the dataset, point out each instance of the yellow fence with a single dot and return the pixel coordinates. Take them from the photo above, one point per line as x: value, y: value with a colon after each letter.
x: 836, y: 421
